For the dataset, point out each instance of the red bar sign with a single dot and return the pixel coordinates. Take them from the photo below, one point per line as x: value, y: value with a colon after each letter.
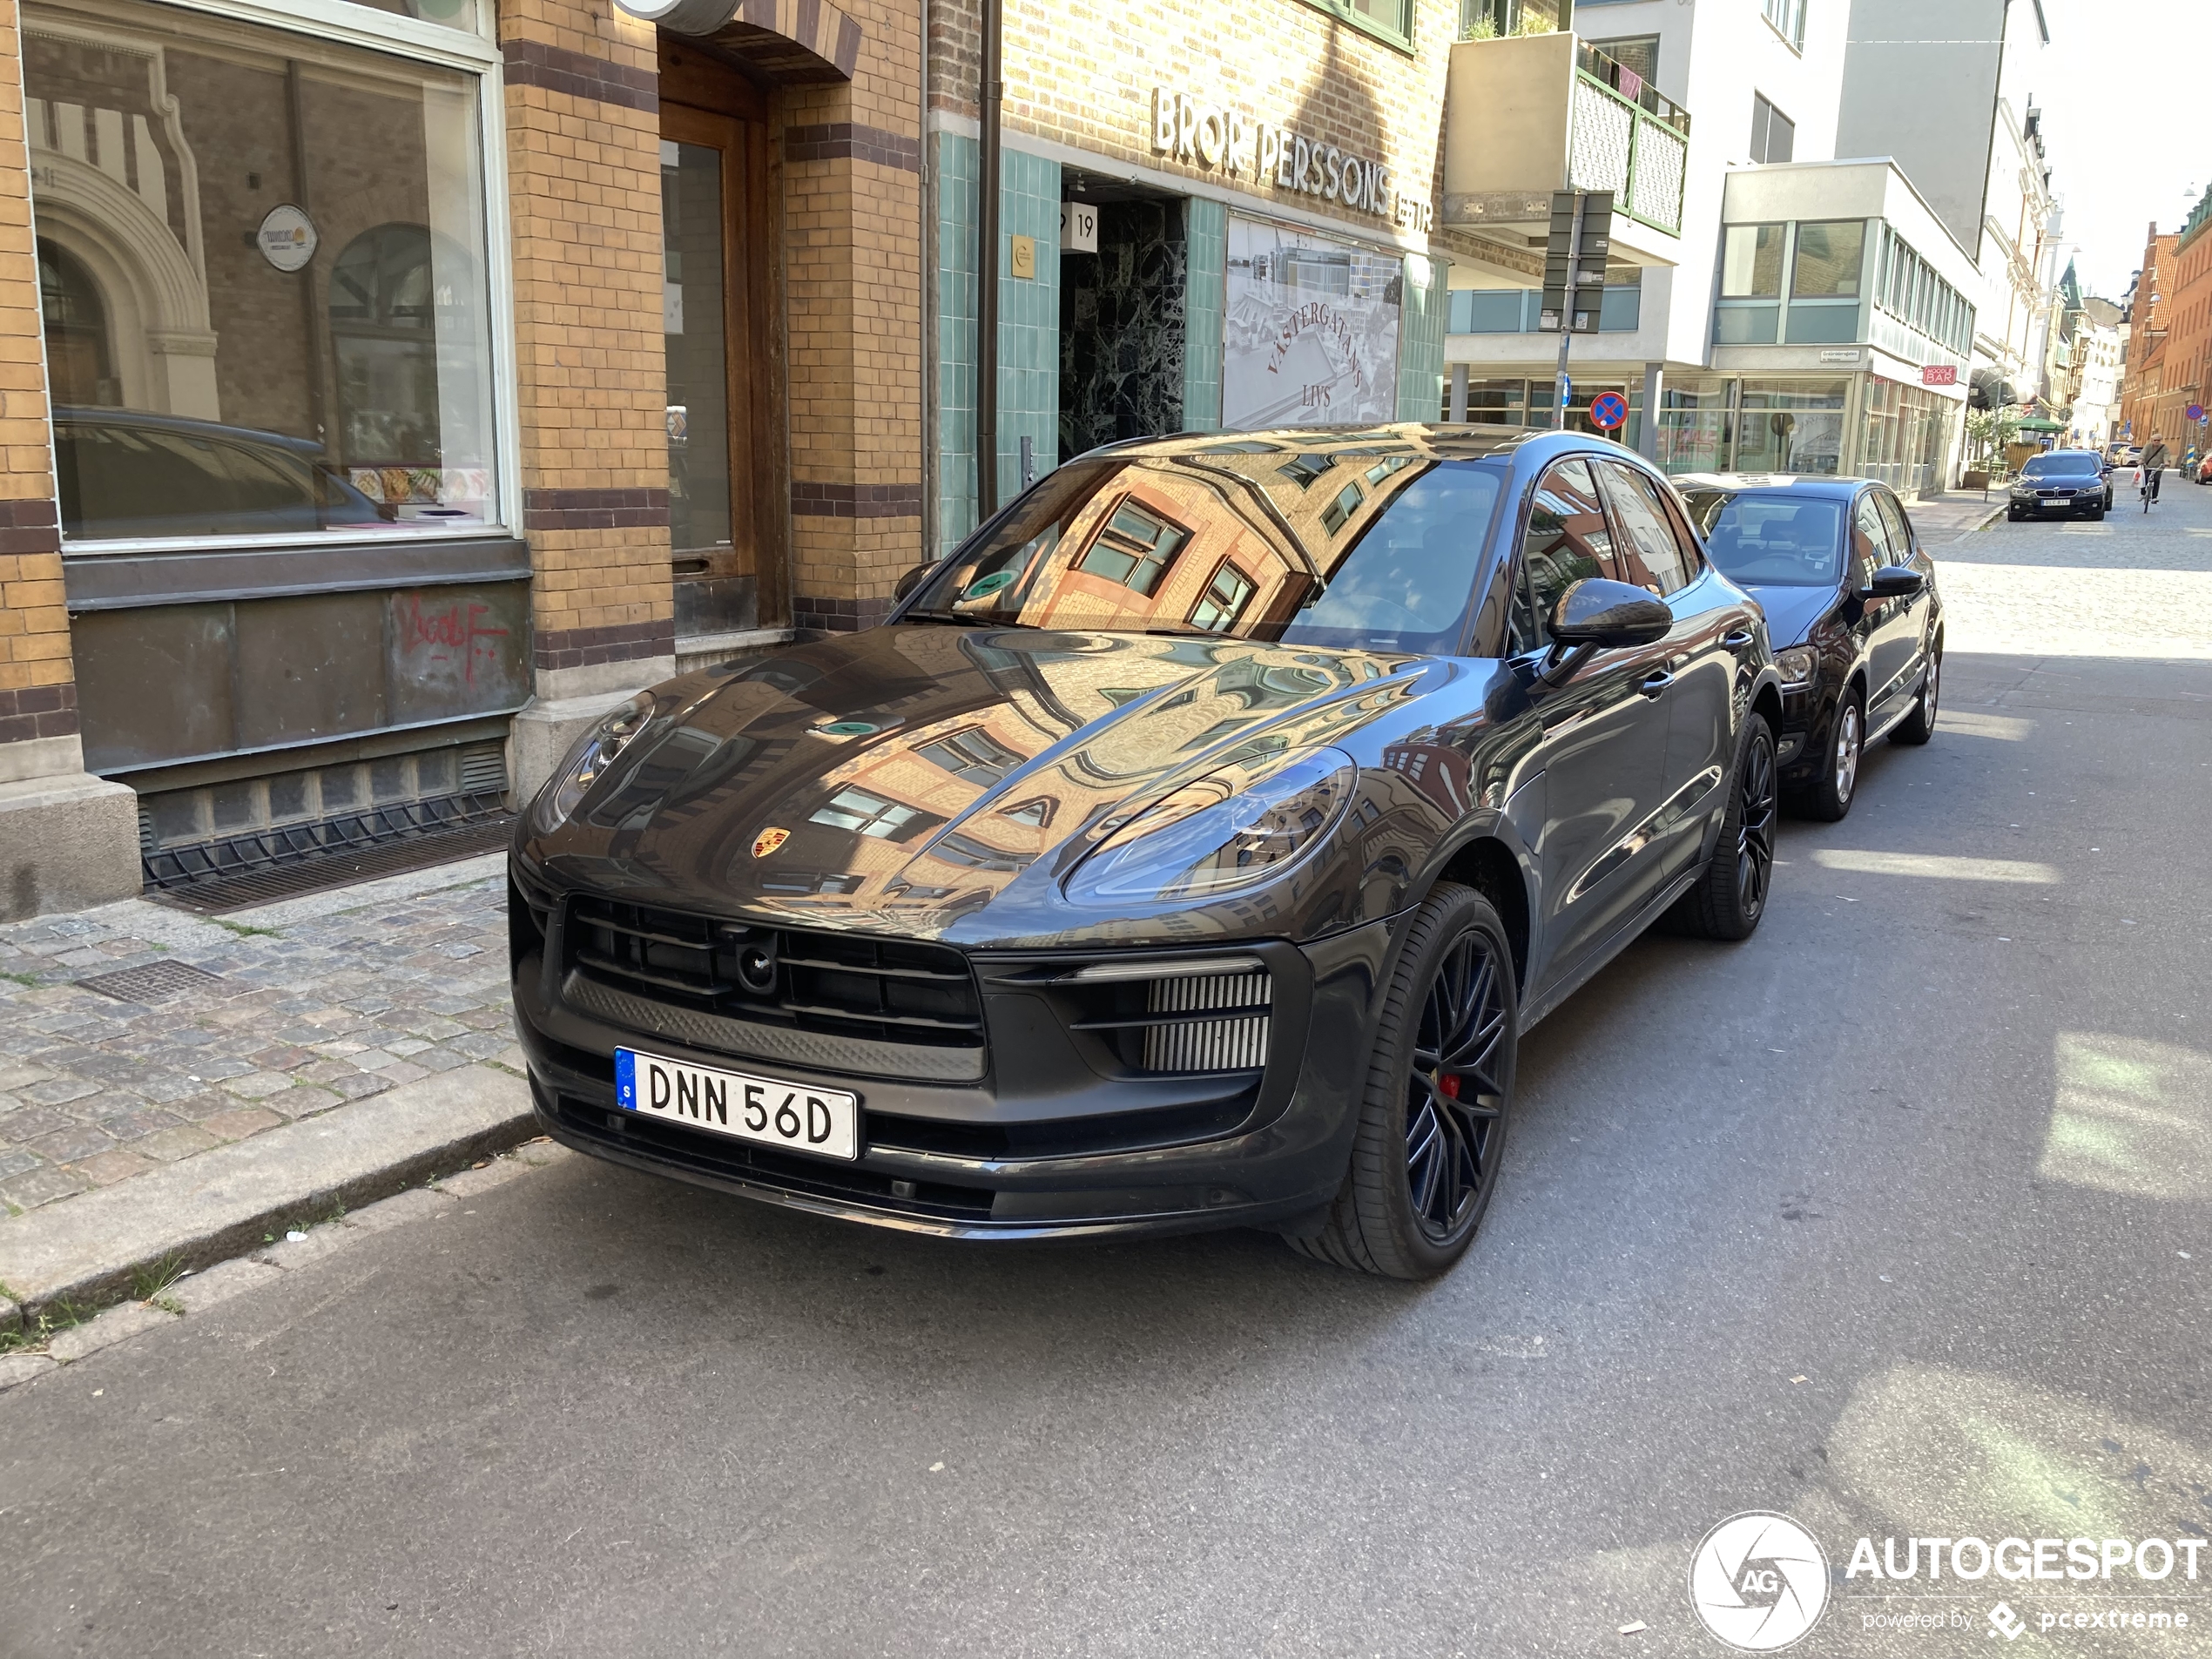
x: 1939, y: 374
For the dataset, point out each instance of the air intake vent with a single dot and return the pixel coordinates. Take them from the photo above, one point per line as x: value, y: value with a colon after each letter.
x: 483, y: 769
x: 1237, y: 1043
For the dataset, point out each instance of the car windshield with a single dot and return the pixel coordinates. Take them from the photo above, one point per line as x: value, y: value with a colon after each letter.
x: 1772, y: 537
x: 2056, y: 466
x: 1345, y: 545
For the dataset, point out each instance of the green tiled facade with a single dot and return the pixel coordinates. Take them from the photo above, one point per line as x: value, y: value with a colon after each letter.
x: 1420, y: 339
x: 1028, y: 327
x: 955, y: 390
x: 1201, y: 315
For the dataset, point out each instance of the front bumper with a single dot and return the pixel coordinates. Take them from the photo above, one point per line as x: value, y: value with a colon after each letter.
x: 1042, y: 1145
x: 2071, y: 506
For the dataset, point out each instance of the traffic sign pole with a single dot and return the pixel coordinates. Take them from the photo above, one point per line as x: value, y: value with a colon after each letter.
x: 1562, y: 389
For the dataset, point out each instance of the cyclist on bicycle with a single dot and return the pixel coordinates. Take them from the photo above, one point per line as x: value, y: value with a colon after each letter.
x: 2154, y: 461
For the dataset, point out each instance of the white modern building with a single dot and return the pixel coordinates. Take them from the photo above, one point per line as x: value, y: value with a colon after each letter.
x: 1787, y: 290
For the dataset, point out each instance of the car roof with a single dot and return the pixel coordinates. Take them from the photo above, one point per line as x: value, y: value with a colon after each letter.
x: 1793, y: 484
x: 1431, y: 441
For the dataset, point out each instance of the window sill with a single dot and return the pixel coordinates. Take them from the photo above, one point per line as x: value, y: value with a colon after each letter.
x: 269, y: 567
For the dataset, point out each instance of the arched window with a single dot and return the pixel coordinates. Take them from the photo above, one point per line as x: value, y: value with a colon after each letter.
x: 80, y: 366
x: 388, y: 309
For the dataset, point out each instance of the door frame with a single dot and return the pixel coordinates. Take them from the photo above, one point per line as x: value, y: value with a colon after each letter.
x: 705, y: 102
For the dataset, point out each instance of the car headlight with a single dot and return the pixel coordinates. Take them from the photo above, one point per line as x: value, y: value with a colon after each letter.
x: 587, y: 761
x: 1245, y: 823
x: 1796, y: 665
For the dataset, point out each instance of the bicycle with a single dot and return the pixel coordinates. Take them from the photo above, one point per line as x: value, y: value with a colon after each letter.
x: 2148, y: 489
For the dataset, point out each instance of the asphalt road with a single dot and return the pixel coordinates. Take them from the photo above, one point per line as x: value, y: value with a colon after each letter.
x: 1897, y: 1220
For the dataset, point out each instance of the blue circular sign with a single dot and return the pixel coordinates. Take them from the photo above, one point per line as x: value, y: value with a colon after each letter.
x: 1609, y: 409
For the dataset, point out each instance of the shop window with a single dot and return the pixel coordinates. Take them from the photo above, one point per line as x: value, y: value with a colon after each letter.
x: 262, y: 268
x: 1790, y: 425
x: 1134, y: 548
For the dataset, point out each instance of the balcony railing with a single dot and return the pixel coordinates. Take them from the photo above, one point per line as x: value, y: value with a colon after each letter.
x: 1530, y: 114
x: 1618, y: 145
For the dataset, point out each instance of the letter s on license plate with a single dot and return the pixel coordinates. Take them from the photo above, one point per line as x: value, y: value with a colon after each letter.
x: 824, y: 1122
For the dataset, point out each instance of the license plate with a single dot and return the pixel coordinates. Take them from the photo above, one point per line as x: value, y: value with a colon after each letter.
x: 824, y: 1122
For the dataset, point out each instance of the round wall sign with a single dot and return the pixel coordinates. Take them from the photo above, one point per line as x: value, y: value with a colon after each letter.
x: 1609, y: 409
x: 288, y: 237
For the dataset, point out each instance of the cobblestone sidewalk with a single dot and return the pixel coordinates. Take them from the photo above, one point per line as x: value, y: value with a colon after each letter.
x: 1946, y: 517
x: 300, y: 1017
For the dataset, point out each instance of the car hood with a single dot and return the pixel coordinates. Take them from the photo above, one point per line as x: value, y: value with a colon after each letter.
x: 1791, y: 612
x: 906, y: 777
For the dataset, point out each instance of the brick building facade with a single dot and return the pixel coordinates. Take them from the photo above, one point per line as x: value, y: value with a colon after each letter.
x: 2169, y: 337
x: 389, y: 387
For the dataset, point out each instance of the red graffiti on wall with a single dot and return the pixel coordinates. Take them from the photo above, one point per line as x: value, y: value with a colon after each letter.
x: 454, y: 630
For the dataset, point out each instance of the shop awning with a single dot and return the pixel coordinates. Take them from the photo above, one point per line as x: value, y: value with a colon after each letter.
x: 2042, y: 426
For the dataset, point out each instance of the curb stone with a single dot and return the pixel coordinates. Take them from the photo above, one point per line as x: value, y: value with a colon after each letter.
x: 198, y: 1292
x: 225, y: 1201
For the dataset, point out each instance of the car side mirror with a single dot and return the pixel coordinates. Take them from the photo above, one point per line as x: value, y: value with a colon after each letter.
x: 912, y: 580
x: 1610, y: 616
x: 1893, y: 581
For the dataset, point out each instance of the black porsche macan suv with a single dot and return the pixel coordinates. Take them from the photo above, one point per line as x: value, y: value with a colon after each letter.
x: 1189, y: 848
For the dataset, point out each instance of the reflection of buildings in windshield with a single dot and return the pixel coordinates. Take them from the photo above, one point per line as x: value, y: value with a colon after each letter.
x: 1234, y: 538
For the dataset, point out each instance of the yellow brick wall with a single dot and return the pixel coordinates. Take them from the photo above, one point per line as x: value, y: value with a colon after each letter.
x: 37, y: 693
x: 583, y: 185
x: 853, y: 284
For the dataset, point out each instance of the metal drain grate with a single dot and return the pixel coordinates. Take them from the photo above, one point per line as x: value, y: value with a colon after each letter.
x: 214, y: 893
x: 153, y: 982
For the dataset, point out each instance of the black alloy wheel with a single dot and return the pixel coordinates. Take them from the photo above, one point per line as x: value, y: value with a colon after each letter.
x: 1430, y: 1135
x: 1919, y: 726
x: 1731, y: 896
x: 1454, y: 1108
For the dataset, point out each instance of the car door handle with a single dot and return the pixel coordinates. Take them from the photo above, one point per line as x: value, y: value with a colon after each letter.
x: 1652, y: 684
x: 1737, y: 639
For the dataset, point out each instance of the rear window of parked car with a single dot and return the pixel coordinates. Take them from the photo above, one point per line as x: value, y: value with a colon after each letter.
x: 1782, y: 540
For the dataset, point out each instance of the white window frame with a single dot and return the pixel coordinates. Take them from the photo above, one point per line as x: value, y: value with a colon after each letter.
x: 474, y: 52
x: 1793, y: 37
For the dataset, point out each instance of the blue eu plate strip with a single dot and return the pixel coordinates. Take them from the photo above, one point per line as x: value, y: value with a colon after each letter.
x: 626, y: 1080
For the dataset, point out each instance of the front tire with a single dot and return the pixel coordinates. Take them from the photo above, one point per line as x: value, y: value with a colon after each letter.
x: 1920, y: 725
x: 1837, y: 784
x: 1432, y: 1129
x: 1729, y: 897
